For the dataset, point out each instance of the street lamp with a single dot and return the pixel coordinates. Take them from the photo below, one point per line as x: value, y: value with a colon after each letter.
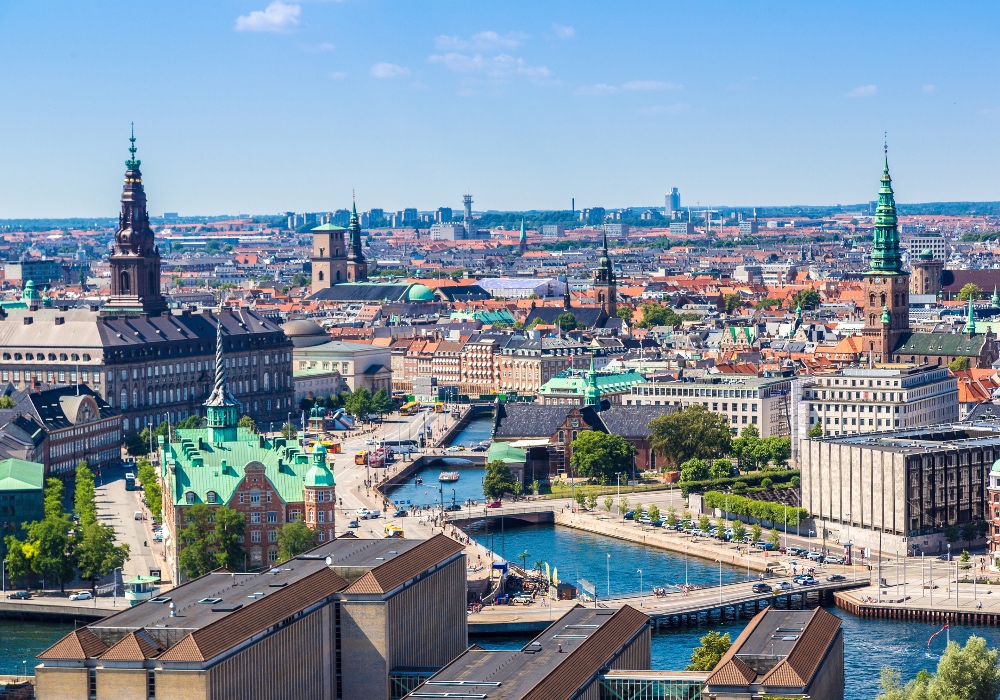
x: 609, y: 576
x: 619, y: 474
x: 720, y: 585
x: 639, y: 571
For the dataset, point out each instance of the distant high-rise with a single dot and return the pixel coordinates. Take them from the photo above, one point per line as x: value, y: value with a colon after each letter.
x: 470, y: 227
x: 444, y: 215
x: 672, y: 202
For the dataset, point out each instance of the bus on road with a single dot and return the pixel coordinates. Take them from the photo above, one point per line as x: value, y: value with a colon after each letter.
x: 409, y: 409
x: 129, y: 481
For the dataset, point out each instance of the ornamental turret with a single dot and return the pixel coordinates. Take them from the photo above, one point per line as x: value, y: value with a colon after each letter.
x: 135, y: 259
x: 221, y: 407
x: 970, y: 321
x: 592, y: 394
x: 319, y: 494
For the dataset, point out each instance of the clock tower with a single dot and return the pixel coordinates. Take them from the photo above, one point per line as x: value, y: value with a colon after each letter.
x: 886, y: 285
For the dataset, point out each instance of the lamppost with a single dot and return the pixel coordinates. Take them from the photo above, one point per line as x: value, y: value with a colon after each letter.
x: 114, y: 582
x: 639, y: 571
x: 609, y: 576
x: 719, y: 561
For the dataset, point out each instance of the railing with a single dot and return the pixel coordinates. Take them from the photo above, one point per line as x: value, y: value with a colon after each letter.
x: 477, y: 512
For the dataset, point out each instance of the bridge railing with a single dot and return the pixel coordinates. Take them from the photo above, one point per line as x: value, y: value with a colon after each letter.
x: 478, y: 512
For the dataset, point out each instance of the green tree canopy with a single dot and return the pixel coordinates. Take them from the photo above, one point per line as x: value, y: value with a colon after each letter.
x: 691, y: 432
x: 97, y: 553
x: 498, y: 480
x: 816, y: 431
x: 84, y: 502
x: 293, y: 539
x: 624, y: 312
x: 7, y: 402
x: 196, y: 557
x: 229, y: 525
x: 566, y: 322
x: 707, y: 656
x: 970, y: 291
x: 767, y: 303
x: 382, y: 403
x: 599, y: 456
x: 733, y: 302
x: 147, y: 476
x: 963, y: 673
x: 807, y: 299
x: 248, y: 423
x: 695, y: 470
x: 959, y: 364
x: 359, y: 403
x: 288, y: 431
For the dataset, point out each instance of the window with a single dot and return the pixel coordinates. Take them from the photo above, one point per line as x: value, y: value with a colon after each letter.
x: 151, y: 685
x: 322, y: 517
x: 294, y: 516
x: 189, y: 498
x: 255, y: 535
x: 255, y: 518
x: 255, y: 496
x: 272, y: 535
x: 211, y: 497
x: 272, y: 516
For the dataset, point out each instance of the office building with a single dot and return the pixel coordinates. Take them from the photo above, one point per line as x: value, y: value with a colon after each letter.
x: 564, y: 662
x: 681, y: 228
x: 673, y: 203
x: 748, y: 227
x: 937, y: 244
x: 447, y: 231
x: 903, y: 488
x: 553, y: 231
x: 443, y: 215
x: 349, y: 620
x: 42, y: 271
x: 617, y: 230
x: 782, y: 654
x: 887, y: 397
x: 763, y: 402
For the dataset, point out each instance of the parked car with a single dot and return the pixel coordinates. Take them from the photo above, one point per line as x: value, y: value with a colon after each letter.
x: 644, y: 520
x: 629, y: 515
x: 835, y: 578
x: 657, y: 523
x: 834, y: 560
x: 81, y: 595
x: 815, y: 556
x: 400, y: 513
x: 363, y: 513
x: 495, y: 504
x: 19, y: 595
x: 761, y: 588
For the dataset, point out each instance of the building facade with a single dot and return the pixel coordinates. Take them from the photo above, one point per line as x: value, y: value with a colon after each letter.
x: 22, y: 486
x: 888, y: 397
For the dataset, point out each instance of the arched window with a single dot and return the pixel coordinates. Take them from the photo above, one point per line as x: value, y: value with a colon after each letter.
x: 211, y: 497
x: 135, y: 398
x: 124, y: 423
x: 124, y: 403
x: 149, y: 397
x: 320, y: 275
x: 124, y: 285
x: 883, y: 299
x: 338, y: 275
x: 871, y: 299
x: 189, y: 498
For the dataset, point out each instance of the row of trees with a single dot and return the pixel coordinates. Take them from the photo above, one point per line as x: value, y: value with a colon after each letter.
x: 969, y: 673
x: 655, y: 314
x: 752, y: 508
x: 754, y: 452
x: 358, y: 403
x: 55, y: 549
x: 145, y: 472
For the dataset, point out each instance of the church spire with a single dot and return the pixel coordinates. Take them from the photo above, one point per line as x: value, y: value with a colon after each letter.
x: 357, y: 267
x: 592, y: 394
x: 221, y: 406
x: 522, y: 241
x: 885, y: 249
x: 970, y: 320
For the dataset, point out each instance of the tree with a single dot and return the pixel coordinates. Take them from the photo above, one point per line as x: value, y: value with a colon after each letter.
x: 229, y: 526
x: 599, y: 456
x: 654, y: 512
x: 523, y: 556
x: 816, y: 431
x: 721, y: 468
x: 767, y: 303
x: 755, y: 531
x: 671, y: 516
x: 97, y: 554
x: 293, y: 539
x: 970, y: 291
x: 248, y: 423
x: 7, y: 402
x: 18, y: 560
x: 623, y: 505
x: 739, y: 530
x: 704, y: 522
x: 774, y: 538
x: 691, y: 432
x: 969, y: 532
x: 959, y: 364
x: 969, y: 673
x: 382, y: 403
x: 359, y: 403
x: 695, y: 470
x: 590, y: 502
x: 746, y: 448
x: 498, y: 481
x: 52, y: 549
x: 707, y: 656
x: 637, y: 512
x: 624, y: 312
x: 732, y: 302
x: 196, y: 558
x: 84, y: 503
x: 289, y: 432
x: 609, y: 503
x: 135, y: 445
x: 566, y: 322
x: 807, y: 299
x: 146, y: 474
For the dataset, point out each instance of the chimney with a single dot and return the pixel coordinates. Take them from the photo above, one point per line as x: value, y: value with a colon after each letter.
x: 59, y: 320
x: 28, y: 320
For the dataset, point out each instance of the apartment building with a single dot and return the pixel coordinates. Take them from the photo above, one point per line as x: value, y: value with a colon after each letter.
x: 886, y: 397
x: 446, y: 363
x: 763, y: 402
x: 478, y: 368
x: 523, y: 365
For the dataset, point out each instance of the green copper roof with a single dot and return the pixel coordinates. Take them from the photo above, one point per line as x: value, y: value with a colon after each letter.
x: 419, y: 292
x: 19, y: 475
x: 885, y: 315
x: 996, y: 467
x: 328, y: 227
x: 490, y: 317
x: 198, y: 465
x: 575, y: 383
x: 29, y: 291
x: 503, y: 452
x: 954, y: 344
x: 885, y: 249
x: 970, y: 320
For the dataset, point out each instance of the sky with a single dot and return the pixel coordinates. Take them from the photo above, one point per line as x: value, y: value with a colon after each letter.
x: 258, y: 106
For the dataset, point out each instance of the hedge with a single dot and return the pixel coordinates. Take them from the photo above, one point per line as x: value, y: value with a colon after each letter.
x: 751, y: 508
x: 784, y: 476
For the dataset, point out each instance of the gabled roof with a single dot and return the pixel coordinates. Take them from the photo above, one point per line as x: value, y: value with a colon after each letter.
x: 405, y: 566
x: 798, y: 668
x: 134, y: 646
x: 954, y: 344
x: 78, y: 644
x: 733, y: 671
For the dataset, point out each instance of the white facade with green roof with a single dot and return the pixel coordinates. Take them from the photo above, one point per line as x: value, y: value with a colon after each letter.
x: 569, y: 388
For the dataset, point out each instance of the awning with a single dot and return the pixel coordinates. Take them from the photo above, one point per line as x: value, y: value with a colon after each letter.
x: 532, y: 442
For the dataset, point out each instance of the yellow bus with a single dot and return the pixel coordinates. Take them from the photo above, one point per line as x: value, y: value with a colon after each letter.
x: 409, y: 409
x: 393, y: 531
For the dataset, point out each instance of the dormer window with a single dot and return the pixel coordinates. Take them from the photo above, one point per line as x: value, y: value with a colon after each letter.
x: 212, y: 497
x: 189, y: 498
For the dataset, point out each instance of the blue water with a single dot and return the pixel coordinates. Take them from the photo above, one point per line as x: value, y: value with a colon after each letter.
x: 23, y: 641
x: 469, y: 486
x: 477, y: 430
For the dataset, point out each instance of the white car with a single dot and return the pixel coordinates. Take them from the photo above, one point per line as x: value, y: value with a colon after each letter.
x: 82, y: 595
x: 363, y: 513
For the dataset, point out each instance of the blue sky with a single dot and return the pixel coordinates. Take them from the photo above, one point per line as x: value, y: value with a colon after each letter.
x: 255, y: 106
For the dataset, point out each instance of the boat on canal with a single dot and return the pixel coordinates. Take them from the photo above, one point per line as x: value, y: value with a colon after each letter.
x: 448, y: 477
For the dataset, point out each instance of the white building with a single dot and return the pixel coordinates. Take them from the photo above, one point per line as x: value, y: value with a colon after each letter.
x: 887, y: 397
x: 522, y: 287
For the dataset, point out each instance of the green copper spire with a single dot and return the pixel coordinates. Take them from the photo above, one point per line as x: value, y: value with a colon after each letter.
x: 995, y: 299
x: 592, y: 395
x: 970, y: 320
x: 132, y: 163
x: 885, y: 315
x: 524, y: 237
x: 221, y: 407
x: 885, y: 249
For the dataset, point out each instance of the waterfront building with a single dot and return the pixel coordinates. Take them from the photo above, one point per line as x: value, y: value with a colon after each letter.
x: 568, y: 388
x: 763, y: 402
x: 783, y: 653
x: 272, y: 481
x: 886, y: 292
x: 348, y: 620
x: 22, y: 487
x: 886, y: 397
x: 149, y: 363
x: 900, y: 489
x: 567, y: 660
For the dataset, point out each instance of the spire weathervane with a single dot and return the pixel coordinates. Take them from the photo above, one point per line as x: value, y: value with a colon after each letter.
x: 132, y: 163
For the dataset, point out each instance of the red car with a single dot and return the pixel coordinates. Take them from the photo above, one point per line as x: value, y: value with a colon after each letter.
x: 494, y: 504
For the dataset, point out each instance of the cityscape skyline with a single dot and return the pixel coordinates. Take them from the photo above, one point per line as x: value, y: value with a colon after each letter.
x: 528, y: 106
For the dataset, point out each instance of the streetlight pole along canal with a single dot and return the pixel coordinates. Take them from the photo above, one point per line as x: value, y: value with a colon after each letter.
x: 639, y: 571
x: 609, y: 576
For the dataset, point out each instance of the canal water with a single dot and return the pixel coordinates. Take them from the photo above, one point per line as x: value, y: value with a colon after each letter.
x: 22, y: 641
x: 475, y: 431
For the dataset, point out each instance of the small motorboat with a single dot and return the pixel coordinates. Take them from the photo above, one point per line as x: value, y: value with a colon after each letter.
x: 420, y: 479
x: 448, y: 477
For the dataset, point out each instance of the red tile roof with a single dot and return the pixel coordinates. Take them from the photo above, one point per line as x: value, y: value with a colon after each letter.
x: 135, y: 646
x: 78, y: 644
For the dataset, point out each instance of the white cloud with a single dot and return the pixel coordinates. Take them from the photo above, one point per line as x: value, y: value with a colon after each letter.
x: 338, y: 75
x: 627, y: 86
x: 675, y: 108
x: 502, y: 66
x: 487, y: 42
x: 930, y: 87
x: 389, y: 70
x: 863, y: 91
x: 563, y: 31
x: 276, y: 17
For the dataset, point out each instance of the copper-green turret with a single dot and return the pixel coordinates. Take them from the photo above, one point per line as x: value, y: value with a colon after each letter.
x: 995, y: 299
x: 522, y: 241
x: 592, y: 395
x: 885, y: 315
x: 970, y: 320
x: 886, y: 258
x: 221, y: 407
